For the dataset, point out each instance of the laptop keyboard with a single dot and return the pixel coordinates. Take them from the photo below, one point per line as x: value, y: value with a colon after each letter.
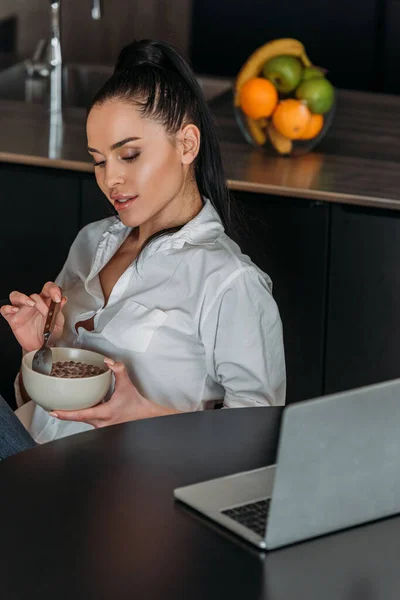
x: 253, y: 515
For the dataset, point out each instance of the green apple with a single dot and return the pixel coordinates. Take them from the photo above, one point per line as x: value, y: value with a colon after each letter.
x: 284, y: 72
x: 317, y: 93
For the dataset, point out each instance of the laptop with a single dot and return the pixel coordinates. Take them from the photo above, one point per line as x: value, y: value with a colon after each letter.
x: 338, y: 465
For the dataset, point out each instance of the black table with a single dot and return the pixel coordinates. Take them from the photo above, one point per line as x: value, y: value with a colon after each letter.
x: 93, y: 516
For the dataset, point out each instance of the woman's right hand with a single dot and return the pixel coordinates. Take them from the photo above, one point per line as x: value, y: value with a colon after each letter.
x: 26, y: 315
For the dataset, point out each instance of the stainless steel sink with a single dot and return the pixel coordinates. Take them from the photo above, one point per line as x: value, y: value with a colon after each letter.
x: 80, y: 84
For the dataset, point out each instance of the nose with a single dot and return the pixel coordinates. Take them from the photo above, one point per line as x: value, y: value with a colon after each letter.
x: 113, y: 174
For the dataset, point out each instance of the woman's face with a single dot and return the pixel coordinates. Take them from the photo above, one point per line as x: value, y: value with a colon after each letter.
x: 138, y: 168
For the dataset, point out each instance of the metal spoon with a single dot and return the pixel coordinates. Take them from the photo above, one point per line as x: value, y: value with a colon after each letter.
x: 43, y: 359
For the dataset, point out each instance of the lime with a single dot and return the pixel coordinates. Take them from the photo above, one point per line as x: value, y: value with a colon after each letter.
x: 318, y: 94
x: 284, y: 72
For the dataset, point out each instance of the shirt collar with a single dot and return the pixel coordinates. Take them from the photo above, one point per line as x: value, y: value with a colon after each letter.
x: 205, y: 228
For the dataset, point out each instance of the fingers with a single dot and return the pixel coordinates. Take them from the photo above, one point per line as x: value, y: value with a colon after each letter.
x: 59, y: 322
x: 117, y: 367
x: 19, y: 300
x: 52, y: 291
x: 7, y: 311
x: 121, y: 374
x: 40, y: 304
x: 93, y: 416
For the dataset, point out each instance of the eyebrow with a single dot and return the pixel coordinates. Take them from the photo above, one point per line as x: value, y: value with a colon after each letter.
x: 116, y: 145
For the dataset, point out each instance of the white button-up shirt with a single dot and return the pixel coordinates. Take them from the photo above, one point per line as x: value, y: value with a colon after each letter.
x: 194, y: 320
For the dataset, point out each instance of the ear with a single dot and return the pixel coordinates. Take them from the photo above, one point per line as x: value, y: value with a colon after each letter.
x: 190, y: 143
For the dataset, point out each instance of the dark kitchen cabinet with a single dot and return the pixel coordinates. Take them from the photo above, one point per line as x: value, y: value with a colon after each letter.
x: 363, y: 325
x: 40, y: 218
x: 10, y: 359
x: 288, y: 239
x: 94, y: 204
x: 390, y: 46
x: 342, y: 36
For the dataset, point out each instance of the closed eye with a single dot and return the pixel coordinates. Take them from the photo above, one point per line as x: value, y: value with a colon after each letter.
x: 127, y: 159
x: 130, y: 159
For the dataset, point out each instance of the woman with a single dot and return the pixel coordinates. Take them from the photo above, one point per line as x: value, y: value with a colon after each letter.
x: 161, y: 288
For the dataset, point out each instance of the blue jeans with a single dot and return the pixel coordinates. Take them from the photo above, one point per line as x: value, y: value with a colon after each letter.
x: 13, y: 435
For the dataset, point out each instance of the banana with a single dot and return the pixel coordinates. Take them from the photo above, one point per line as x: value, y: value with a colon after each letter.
x: 254, y: 64
x: 256, y: 131
x: 282, y: 144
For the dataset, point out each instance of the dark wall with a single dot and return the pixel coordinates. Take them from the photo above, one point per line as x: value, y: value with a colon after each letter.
x: 8, y: 34
x: 86, y: 40
x: 348, y: 37
x: 390, y: 47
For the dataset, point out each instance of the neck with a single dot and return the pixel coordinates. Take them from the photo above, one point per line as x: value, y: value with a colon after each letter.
x: 179, y: 211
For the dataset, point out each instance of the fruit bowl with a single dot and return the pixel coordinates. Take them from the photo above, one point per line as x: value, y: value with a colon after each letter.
x: 282, y: 102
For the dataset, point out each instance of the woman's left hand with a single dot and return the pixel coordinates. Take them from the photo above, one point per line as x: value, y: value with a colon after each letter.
x: 126, y: 404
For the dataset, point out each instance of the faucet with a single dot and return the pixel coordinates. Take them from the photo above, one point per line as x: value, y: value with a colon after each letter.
x: 47, y: 59
x: 55, y: 57
x: 96, y: 10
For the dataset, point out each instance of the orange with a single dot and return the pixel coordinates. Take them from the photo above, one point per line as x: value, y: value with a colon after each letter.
x: 314, y: 127
x: 291, y: 118
x: 258, y: 98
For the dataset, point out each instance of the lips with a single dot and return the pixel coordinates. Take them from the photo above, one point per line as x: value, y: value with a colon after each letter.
x: 122, y: 202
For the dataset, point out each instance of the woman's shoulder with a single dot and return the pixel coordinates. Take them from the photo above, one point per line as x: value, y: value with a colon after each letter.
x: 238, y: 264
x: 222, y: 263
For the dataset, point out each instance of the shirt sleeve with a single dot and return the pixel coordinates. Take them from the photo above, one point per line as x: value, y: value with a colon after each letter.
x: 81, y: 253
x: 67, y: 275
x: 64, y: 279
x: 243, y: 340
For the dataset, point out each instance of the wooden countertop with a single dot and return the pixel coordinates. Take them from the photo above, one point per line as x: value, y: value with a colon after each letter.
x: 357, y: 163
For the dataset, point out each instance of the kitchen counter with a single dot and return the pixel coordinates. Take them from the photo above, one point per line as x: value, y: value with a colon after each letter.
x: 357, y: 163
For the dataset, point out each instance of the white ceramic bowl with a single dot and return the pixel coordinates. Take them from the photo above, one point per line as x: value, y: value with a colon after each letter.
x: 54, y: 393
